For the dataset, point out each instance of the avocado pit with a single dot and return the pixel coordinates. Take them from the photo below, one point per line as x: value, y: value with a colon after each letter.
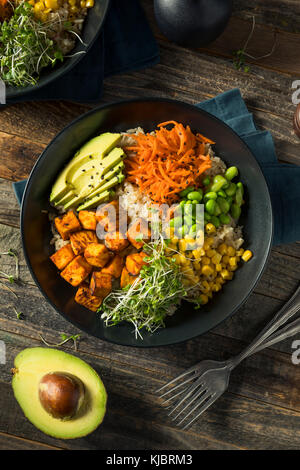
x: 61, y: 394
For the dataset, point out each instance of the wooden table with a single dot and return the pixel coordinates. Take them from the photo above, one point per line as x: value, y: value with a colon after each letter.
x: 261, y: 409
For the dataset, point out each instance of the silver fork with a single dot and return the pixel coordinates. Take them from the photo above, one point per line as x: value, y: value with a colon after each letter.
x: 200, y: 386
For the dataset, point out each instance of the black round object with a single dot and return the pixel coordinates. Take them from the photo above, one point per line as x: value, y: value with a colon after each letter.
x: 193, y: 23
x: 93, y: 24
x: 257, y: 218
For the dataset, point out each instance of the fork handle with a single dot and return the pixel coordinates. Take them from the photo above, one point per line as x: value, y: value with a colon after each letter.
x: 283, y: 333
x: 284, y: 314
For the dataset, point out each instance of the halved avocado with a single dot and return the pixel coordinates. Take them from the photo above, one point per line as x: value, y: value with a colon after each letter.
x: 31, y: 365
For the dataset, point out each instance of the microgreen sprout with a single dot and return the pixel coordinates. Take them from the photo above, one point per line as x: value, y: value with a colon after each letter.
x: 19, y: 315
x: 65, y: 338
x: 154, y: 295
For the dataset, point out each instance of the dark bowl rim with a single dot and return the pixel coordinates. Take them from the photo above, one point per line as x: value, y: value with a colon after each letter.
x: 15, y: 92
x: 129, y: 101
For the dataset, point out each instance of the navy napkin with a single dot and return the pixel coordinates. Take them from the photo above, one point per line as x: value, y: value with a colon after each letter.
x: 283, y: 180
x: 125, y: 44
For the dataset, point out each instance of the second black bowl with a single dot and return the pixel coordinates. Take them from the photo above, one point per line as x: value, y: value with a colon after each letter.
x: 36, y: 234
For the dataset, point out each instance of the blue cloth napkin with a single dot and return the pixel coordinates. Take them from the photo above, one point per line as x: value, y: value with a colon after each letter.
x: 231, y: 108
x: 126, y: 44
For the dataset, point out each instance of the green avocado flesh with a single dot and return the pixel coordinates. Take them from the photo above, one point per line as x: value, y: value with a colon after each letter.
x: 31, y: 365
x: 93, y: 160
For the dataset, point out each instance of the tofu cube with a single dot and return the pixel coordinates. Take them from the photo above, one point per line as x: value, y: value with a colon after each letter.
x: 88, y: 220
x: 63, y: 256
x: 108, y: 216
x: 101, y: 284
x: 97, y: 255
x: 84, y: 297
x: 135, y: 262
x: 114, y: 267
x: 76, y: 271
x: 116, y: 241
x: 139, y: 233
x: 80, y: 240
x: 126, y: 278
x: 67, y: 224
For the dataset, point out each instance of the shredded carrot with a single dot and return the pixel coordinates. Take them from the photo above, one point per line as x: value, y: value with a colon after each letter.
x: 164, y: 164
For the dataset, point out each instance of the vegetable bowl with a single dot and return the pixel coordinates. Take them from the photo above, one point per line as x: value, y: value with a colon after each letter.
x: 72, y: 275
x: 41, y: 40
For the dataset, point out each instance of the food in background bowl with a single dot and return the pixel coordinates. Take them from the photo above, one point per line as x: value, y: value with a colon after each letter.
x: 141, y: 273
x: 35, y: 34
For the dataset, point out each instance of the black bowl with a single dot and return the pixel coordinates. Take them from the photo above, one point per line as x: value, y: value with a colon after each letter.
x: 92, y: 26
x: 187, y: 322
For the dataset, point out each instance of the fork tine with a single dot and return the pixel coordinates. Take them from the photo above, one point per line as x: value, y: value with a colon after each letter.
x: 176, y: 387
x: 190, y: 390
x: 190, y: 401
x: 203, y: 398
x: 204, y: 408
x: 174, y: 396
x: 189, y: 371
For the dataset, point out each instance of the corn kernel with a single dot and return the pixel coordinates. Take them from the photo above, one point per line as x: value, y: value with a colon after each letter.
x: 205, y: 285
x: 210, y: 228
x: 222, y: 249
x: 83, y: 4
x: 225, y: 259
x: 182, y: 245
x: 247, y: 255
x: 52, y: 4
x: 207, y: 270
x: 216, y: 258
x: 90, y: 3
x: 218, y: 267
x: 39, y: 7
x: 74, y: 9
x: 230, y: 251
x: 240, y: 252
x: 203, y: 299
x: 210, y: 253
x: 205, y: 260
x: 174, y: 240
x: 233, y: 261
x: 225, y: 274
x: 197, y: 265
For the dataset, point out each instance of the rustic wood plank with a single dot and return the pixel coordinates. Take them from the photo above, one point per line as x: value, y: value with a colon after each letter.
x: 9, y: 207
x: 132, y: 406
x: 10, y: 442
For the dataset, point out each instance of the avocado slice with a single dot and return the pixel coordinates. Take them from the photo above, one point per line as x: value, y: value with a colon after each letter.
x: 71, y: 195
x: 99, y: 146
x: 109, y: 184
x: 34, y: 363
x: 94, y: 201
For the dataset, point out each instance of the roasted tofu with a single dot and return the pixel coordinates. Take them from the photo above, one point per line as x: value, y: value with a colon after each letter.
x: 135, y: 262
x: 139, y: 233
x: 97, y: 255
x: 88, y: 220
x: 84, y: 297
x: 114, y: 267
x: 116, y: 241
x: 101, y: 284
x: 126, y: 278
x: 67, y: 224
x: 63, y: 256
x: 76, y: 271
x: 108, y: 216
x: 80, y: 240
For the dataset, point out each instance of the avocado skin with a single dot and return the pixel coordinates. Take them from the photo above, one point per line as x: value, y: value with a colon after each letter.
x: 98, y: 146
x: 31, y: 365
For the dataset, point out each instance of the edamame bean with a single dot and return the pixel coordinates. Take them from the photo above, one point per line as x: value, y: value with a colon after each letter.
x: 231, y: 173
x: 193, y: 230
x: 210, y: 206
x: 239, y: 197
x: 188, y: 220
x: 206, y: 181
x: 207, y: 217
x: 218, y: 183
x: 224, y: 219
x: 195, y: 202
x: 195, y: 195
x: 215, y: 221
x: 181, y: 231
x: 226, y: 185
x: 223, y: 204
x: 210, y: 195
x: 217, y: 209
x: 231, y: 190
x: 177, y: 221
x: 222, y: 194
x: 241, y: 187
x: 186, y: 191
x: 235, y: 211
x: 229, y: 199
x: 171, y: 223
x: 182, y: 203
